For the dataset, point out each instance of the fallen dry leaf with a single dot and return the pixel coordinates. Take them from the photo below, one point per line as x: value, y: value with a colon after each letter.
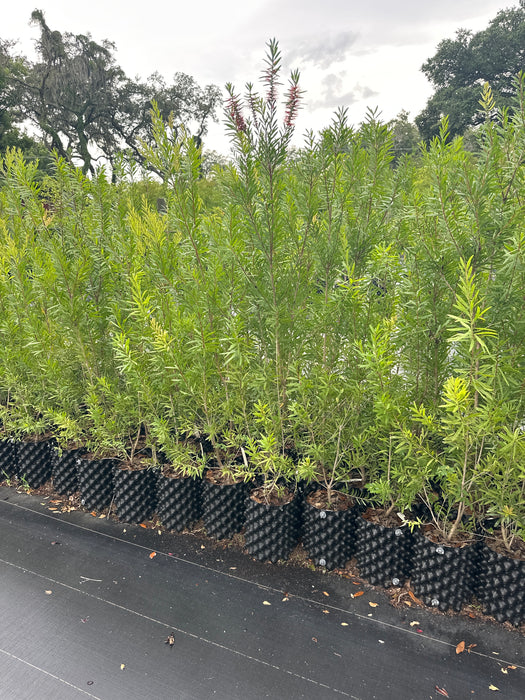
x: 49, y: 592
x: 460, y: 648
x: 93, y: 514
x: 373, y: 605
x: 55, y: 510
x: 285, y: 599
x: 493, y: 687
x: 504, y: 670
x: 416, y: 600
x: 344, y: 624
x: 144, y: 525
x: 122, y: 667
x: 513, y: 668
x: 153, y: 555
x: 415, y: 623
x: 326, y: 612
x: 471, y: 646
x: 442, y: 691
x: 325, y: 593
x: 356, y: 595
x: 314, y: 639
x: 102, y: 516
x: 265, y: 602
x: 356, y: 583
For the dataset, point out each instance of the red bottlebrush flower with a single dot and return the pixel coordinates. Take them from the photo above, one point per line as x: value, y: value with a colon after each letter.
x: 292, y: 106
x: 234, y: 108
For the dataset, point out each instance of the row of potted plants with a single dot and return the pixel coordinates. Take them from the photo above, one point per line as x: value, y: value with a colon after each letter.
x: 388, y: 550
x: 333, y: 320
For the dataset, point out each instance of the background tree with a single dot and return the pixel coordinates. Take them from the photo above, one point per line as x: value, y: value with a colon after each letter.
x: 85, y: 106
x: 405, y: 135
x: 461, y: 66
x: 11, y: 135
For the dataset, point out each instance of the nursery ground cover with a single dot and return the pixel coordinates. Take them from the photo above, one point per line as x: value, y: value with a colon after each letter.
x: 87, y: 610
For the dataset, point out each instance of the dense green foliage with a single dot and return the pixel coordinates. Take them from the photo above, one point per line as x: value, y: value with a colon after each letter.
x: 328, y: 317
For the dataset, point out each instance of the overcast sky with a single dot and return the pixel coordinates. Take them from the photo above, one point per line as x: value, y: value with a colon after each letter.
x: 353, y: 53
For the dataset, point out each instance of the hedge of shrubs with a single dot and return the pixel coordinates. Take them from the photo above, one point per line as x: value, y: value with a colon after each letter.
x: 333, y: 320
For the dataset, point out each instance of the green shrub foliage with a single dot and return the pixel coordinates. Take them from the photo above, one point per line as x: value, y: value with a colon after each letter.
x: 326, y: 316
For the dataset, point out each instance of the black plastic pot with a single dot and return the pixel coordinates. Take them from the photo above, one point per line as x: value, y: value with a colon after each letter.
x: 179, y: 502
x: 442, y: 576
x: 65, y: 478
x: 223, y: 509
x: 272, y: 531
x: 135, y: 494
x: 35, y: 462
x: 329, y: 535
x: 500, y: 586
x: 95, y: 482
x: 383, y: 554
x: 8, y: 458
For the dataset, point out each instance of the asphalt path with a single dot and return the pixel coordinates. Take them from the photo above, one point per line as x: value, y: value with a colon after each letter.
x: 88, y: 604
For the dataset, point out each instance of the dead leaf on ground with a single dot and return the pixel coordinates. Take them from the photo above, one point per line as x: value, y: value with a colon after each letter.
x: 49, y: 592
x: 415, y: 623
x: 356, y: 595
x: 442, y: 691
x: 416, y: 600
x: 373, y: 605
x: 325, y: 593
x: 153, y: 555
x: 326, y: 612
x: 471, y: 646
x: 93, y: 514
x: 144, y: 525
x: 344, y: 624
x: 314, y: 639
x: 102, y: 516
x: 265, y: 602
x: 122, y: 667
x: 493, y: 687
x: 460, y: 648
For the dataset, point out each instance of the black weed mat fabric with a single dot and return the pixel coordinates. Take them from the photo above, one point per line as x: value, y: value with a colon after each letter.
x: 88, y: 604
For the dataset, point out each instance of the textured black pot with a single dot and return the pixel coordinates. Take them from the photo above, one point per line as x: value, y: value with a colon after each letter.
x: 8, y: 458
x: 35, y: 462
x: 500, y: 586
x: 179, y: 502
x: 135, y: 494
x: 442, y: 576
x: 272, y: 531
x: 329, y: 535
x: 223, y: 508
x: 383, y: 554
x: 95, y: 482
x: 65, y: 478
